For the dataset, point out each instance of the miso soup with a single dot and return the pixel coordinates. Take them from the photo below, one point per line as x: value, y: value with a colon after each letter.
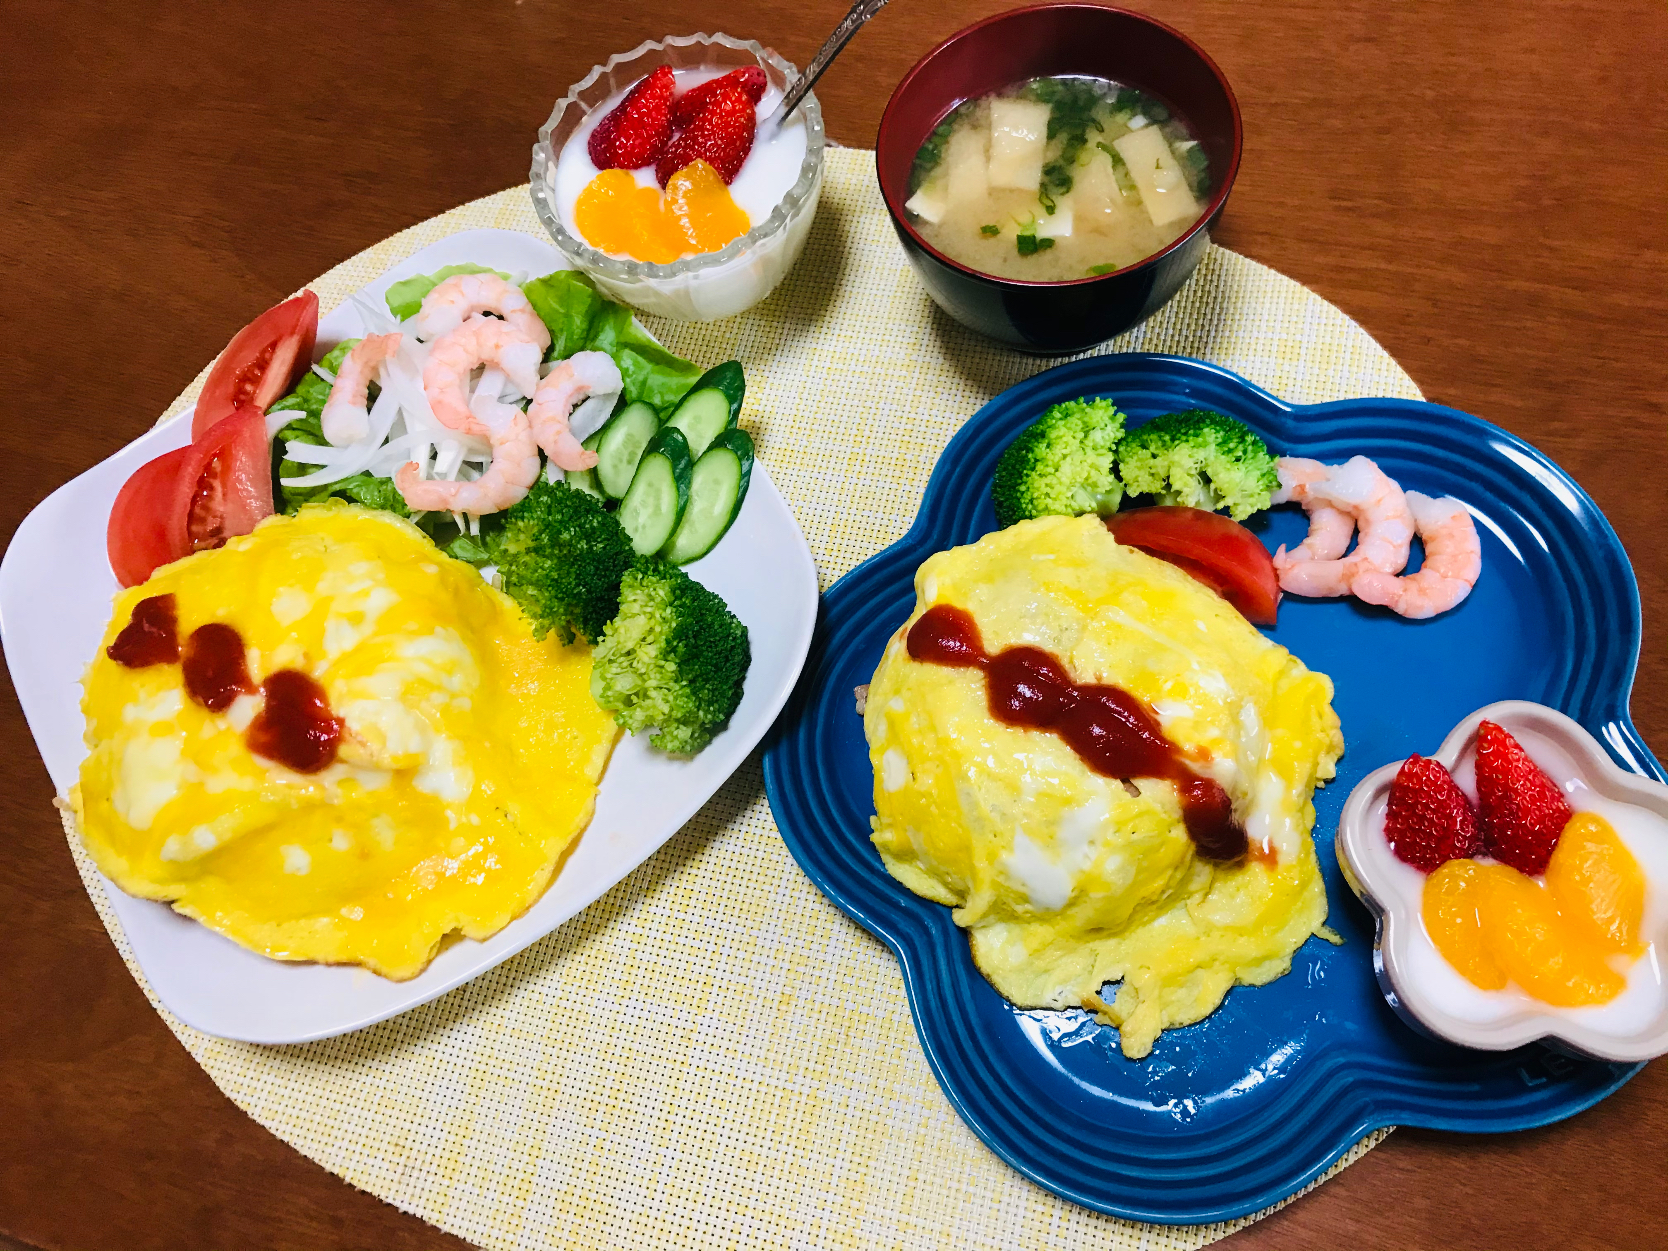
x: 1056, y: 179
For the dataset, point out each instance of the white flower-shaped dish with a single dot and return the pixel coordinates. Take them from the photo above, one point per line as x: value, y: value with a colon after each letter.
x: 1425, y: 989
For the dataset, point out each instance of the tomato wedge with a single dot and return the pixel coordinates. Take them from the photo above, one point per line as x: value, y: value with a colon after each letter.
x: 146, y: 528
x: 231, y: 473
x: 261, y: 363
x: 1219, y: 552
x: 192, y: 498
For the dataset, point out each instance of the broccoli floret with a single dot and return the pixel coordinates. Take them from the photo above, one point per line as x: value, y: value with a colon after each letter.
x: 672, y: 661
x: 1061, y: 465
x: 561, y: 557
x: 1201, y: 459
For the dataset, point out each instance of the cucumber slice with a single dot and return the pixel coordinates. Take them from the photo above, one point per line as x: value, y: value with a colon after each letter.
x: 622, y: 445
x: 717, y: 486
x: 659, y: 492
x: 586, y: 479
x: 711, y: 405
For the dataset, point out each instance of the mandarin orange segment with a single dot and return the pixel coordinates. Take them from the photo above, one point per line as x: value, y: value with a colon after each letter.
x: 1599, y: 886
x: 603, y: 211
x: 701, y: 205
x: 1450, y: 906
x: 616, y: 214
x: 1550, y: 959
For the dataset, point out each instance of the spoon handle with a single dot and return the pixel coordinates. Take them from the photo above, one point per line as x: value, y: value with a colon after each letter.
x: 859, y: 13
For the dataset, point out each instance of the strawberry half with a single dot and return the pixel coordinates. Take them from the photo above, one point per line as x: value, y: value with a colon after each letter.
x: 750, y: 78
x: 638, y: 130
x: 1521, y: 810
x: 1429, y: 821
x: 721, y: 135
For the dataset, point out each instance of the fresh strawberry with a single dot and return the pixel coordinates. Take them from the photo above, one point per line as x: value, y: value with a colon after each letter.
x: 1429, y: 821
x: 721, y: 135
x: 751, y: 79
x: 636, y: 132
x: 1521, y: 810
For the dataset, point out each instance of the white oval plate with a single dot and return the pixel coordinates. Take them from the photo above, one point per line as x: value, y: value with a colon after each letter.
x: 55, y: 594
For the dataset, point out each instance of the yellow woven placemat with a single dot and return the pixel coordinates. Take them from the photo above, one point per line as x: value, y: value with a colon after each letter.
x: 711, y: 1055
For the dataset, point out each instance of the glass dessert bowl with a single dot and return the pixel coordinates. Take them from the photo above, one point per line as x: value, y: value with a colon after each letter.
x: 706, y: 285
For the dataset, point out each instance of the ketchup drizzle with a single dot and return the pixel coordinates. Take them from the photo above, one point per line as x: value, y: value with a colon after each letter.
x: 295, y: 726
x: 1112, y: 731
x: 150, y: 637
x: 216, y: 669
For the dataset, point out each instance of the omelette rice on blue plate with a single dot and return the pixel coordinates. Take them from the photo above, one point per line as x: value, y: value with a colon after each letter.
x: 424, y: 762
x: 1066, y: 877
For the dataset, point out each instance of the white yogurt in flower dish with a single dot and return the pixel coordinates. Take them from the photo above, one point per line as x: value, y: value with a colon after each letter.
x: 1419, y: 981
x: 776, y: 187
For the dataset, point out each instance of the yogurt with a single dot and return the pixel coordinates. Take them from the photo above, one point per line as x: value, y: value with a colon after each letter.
x: 1644, y: 834
x: 1417, y: 978
x: 703, y: 286
x: 769, y: 172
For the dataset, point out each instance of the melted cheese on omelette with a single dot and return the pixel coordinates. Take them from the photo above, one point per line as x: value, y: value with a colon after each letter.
x: 468, y: 765
x: 1064, y: 879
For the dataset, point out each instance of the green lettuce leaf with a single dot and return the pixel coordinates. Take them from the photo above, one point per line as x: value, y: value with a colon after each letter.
x: 405, y: 297
x: 651, y: 373
x: 580, y: 319
x: 312, y: 391
x: 567, y: 303
x: 467, y: 547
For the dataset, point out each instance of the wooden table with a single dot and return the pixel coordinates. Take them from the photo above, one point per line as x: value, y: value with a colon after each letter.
x: 1480, y: 185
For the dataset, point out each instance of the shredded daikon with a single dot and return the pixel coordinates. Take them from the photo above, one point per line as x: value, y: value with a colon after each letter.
x: 403, y: 427
x: 375, y: 320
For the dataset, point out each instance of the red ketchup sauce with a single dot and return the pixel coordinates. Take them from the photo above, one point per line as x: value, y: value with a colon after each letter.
x: 216, y: 669
x: 294, y: 726
x: 151, y: 636
x: 1112, y: 731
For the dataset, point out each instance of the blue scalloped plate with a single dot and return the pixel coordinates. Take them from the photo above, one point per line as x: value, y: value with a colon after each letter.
x: 1252, y: 1103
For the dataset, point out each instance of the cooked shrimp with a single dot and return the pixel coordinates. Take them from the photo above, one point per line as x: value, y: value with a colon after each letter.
x: 463, y: 296
x: 564, y: 388
x: 1329, y: 534
x: 1453, y: 559
x: 345, y: 418
x: 1297, y: 474
x: 514, y: 469
x: 1329, y: 529
x: 455, y: 356
x: 1363, y: 491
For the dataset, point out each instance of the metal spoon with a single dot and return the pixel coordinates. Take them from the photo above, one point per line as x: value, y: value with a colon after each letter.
x: 859, y: 13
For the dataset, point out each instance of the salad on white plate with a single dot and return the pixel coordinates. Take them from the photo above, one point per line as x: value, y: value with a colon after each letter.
x: 660, y: 444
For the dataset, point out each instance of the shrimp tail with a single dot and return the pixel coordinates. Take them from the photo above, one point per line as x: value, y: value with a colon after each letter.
x: 582, y: 376
x: 568, y: 453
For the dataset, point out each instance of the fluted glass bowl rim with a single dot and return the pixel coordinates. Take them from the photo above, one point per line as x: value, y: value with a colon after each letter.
x: 591, y: 259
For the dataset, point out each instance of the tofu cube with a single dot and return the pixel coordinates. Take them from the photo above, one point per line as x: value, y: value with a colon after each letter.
x: 1096, y: 195
x: 965, y: 162
x: 931, y: 199
x: 1057, y: 225
x: 1158, y: 176
x: 1018, y: 135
